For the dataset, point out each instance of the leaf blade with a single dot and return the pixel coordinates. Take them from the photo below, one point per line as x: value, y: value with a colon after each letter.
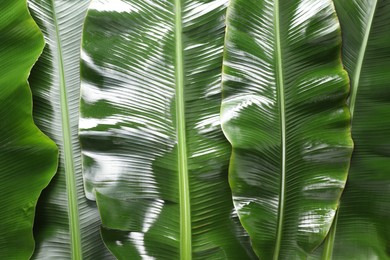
x: 28, y: 158
x: 281, y: 61
x: 362, y: 230
x: 67, y: 224
x: 130, y: 121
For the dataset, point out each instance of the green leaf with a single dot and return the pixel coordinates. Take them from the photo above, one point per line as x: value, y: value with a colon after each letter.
x: 154, y: 155
x: 67, y: 224
x: 284, y: 112
x: 28, y: 158
x: 363, y: 225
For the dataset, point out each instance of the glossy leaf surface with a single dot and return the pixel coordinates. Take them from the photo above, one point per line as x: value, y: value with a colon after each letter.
x: 284, y: 112
x: 363, y: 225
x: 154, y: 154
x: 28, y: 158
x: 67, y: 225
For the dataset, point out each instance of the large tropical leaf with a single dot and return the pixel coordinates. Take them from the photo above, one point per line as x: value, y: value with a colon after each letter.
x: 154, y: 155
x: 362, y: 230
x: 28, y: 158
x: 67, y: 224
x: 284, y: 112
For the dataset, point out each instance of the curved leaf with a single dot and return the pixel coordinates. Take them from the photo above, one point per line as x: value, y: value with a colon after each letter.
x: 154, y: 155
x: 67, y: 224
x: 28, y: 158
x: 363, y: 225
x: 284, y: 112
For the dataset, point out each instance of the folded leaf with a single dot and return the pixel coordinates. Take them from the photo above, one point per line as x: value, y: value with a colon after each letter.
x: 67, y: 225
x: 362, y: 230
x: 154, y: 154
x: 284, y: 112
x: 28, y: 158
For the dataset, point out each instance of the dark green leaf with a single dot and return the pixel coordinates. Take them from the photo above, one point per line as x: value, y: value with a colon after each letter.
x: 155, y: 157
x: 284, y: 112
x: 28, y: 158
x: 363, y: 225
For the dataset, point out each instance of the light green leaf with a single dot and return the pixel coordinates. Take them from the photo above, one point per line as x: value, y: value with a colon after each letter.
x: 154, y: 155
x: 67, y: 224
x: 363, y: 225
x: 284, y: 112
x: 28, y: 158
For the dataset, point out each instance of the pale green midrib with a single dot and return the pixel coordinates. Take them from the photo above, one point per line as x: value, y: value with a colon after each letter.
x: 185, y: 210
x: 280, y: 86
x: 329, y: 242
x: 359, y: 64
x: 74, y: 226
x: 330, y: 239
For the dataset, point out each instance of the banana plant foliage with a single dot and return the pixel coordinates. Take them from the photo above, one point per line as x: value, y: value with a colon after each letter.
x: 284, y: 112
x: 67, y: 225
x: 28, y: 158
x: 154, y: 155
x: 362, y: 228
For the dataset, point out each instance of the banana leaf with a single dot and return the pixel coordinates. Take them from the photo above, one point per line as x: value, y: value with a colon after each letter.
x: 284, y: 112
x: 28, y: 158
x: 154, y: 156
x: 67, y: 225
x: 362, y: 229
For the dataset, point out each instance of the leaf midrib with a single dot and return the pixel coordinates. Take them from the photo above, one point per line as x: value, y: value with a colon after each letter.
x: 184, y: 194
x: 359, y: 64
x: 329, y: 242
x: 74, y: 226
x: 281, y: 100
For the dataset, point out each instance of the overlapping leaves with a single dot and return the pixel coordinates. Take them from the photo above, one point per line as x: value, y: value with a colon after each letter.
x: 155, y: 158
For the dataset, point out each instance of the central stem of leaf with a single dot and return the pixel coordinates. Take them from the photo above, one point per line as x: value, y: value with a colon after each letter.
x: 184, y: 193
x: 281, y: 98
